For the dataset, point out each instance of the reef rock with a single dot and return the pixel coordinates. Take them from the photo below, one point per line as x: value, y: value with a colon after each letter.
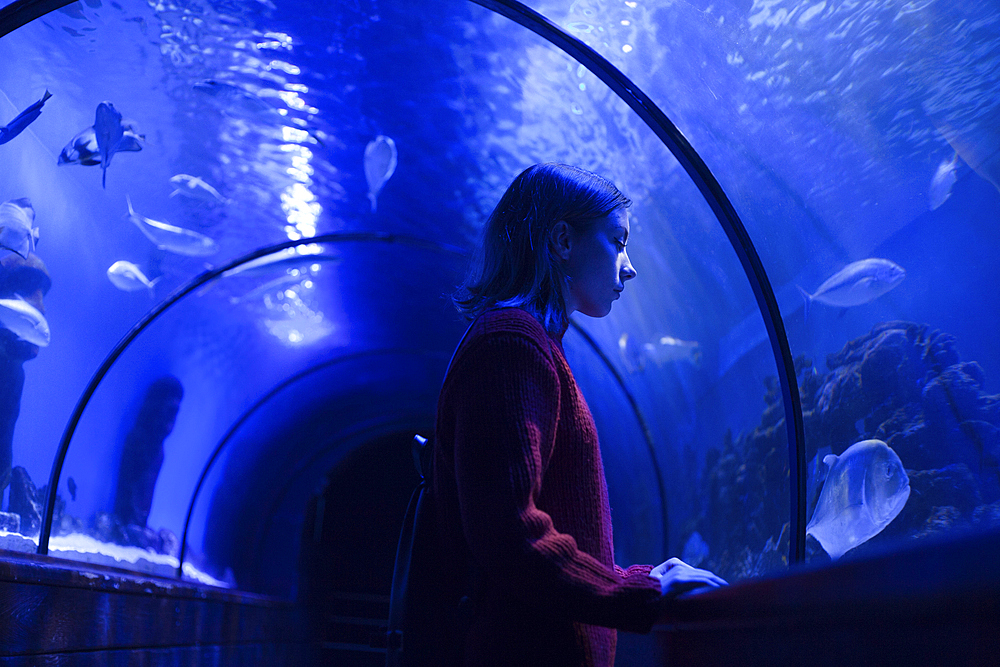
x: 25, y: 501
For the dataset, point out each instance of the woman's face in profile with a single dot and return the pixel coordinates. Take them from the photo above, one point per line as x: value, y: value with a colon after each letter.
x: 598, y: 265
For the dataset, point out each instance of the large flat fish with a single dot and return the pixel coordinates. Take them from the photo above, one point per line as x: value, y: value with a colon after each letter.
x: 380, y: 163
x: 109, y: 131
x: 171, y: 238
x: 865, y: 489
x: 23, y: 120
x: 25, y: 320
x: 83, y: 150
x: 857, y: 283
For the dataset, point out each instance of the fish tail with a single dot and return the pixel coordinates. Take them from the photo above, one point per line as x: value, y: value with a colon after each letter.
x: 808, y: 299
x: 46, y: 96
x: 128, y: 201
x: 104, y: 175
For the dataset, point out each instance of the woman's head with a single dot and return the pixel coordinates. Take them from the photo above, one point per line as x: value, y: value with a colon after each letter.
x: 547, y: 247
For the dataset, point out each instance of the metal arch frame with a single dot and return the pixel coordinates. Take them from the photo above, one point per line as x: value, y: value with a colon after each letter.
x: 259, y: 403
x: 731, y: 223
x: 152, y: 315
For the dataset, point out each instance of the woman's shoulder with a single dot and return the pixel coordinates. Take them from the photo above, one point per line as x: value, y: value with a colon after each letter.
x: 497, y: 331
x: 516, y: 321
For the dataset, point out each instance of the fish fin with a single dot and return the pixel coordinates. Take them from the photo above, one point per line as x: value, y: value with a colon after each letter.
x: 807, y: 297
x: 46, y: 96
x: 3, y: 247
x: 152, y: 285
x: 128, y: 201
x: 829, y: 460
x: 175, y: 193
x: 104, y: 174
x: 35, y: 238
x: 371, y: 198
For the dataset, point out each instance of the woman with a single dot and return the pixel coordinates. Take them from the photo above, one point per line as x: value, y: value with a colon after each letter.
x: 518, y: 483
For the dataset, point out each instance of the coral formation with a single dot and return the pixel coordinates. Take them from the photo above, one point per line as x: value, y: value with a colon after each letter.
x: 902, y: 383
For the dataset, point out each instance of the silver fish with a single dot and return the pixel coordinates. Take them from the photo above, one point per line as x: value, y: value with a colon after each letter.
x: 17, y: 233
x: 109, y: 131
x: 668, y: 349
x: 128, y: 277
x: 664, y: 350
x: 944, y: 178
x: 380, y: 163
x: 865, y: 489
x: 25, y: 320
x: 194, y: 187
x: 82, y: 149
x: 233, y: 99
x: 23, y: 120
x: 171, y: 238
x: 857, y: 283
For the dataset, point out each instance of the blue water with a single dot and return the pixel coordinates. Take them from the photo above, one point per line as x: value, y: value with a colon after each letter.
x: 823, y: 121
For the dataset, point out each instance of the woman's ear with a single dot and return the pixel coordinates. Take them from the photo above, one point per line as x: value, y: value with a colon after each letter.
x: 562, y: 239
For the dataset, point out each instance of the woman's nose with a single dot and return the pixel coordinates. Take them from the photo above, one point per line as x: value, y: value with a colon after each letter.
x: 628, y: 271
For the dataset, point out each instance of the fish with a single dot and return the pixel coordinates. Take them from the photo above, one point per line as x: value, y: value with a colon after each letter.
x: 857, y: 283
x: 380, y: 163
x: 943, y: 180
x: 17, y: 233
x: 287, y: 259
x: 71, y: 485
x: 128, y: 277
x: 978, y: 146
x: 82, y: 149
x: 109, y: 131
x: 864, y: 491
x: 665, y: 349
x: 23, y: 120
x: 695, y: 550
x: 668, y: 349
x: 25, y: 321
x: 232, y: 99
x: 194, y: 187
x: 173, y: 239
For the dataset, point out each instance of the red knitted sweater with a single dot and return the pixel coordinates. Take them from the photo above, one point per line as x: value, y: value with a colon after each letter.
x: 520, y: 492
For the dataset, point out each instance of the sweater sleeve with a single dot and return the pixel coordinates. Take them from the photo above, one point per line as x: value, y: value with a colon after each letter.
x: 506, y: 410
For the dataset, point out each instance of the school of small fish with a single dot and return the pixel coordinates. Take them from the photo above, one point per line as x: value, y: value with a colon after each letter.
x: 857, y: 283
x: 865, y: 489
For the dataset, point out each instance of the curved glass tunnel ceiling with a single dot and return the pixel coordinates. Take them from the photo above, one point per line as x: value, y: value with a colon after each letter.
x: 831, y: 156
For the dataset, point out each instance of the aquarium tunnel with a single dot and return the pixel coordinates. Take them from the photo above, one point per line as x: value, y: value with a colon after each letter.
x: 229, y: 235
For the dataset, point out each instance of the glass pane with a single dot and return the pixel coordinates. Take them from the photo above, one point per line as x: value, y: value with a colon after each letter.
x: 858, y: 143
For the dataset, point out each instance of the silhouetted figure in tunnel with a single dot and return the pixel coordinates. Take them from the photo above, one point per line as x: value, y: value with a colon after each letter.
x: 517, y: 479
x: 142, y: 455
x: 27, y: 278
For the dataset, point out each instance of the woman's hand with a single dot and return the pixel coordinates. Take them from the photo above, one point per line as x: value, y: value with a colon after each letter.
x: 677, y: 577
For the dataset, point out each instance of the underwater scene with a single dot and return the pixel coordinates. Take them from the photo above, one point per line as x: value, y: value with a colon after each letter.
x: 153, y: 150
